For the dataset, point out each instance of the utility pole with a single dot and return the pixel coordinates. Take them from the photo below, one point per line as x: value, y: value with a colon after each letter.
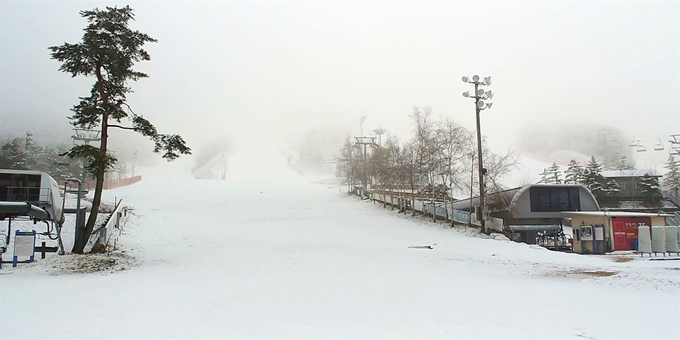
x: 472, y: 183
x: 479, y: 96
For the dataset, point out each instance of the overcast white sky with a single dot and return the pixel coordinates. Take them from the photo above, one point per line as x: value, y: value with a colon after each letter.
x: 261, y: 67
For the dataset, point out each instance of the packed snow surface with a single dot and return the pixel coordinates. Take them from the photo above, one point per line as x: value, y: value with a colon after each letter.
x: 271, y: 254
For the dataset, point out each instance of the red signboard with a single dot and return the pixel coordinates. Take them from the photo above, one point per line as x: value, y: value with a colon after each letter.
x: 625, y: 230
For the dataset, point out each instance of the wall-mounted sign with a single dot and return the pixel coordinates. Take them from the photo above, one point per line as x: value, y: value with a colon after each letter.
x: 585, y: 232
x: 599, y: 232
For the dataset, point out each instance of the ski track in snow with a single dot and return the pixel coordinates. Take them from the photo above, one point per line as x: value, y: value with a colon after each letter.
x: 269, y: 254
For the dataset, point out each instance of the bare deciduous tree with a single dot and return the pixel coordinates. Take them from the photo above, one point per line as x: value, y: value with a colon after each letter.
x: 439, y: 157
x: 454, y: 144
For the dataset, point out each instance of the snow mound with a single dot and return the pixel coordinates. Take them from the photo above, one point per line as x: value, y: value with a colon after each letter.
x: 500, y: 237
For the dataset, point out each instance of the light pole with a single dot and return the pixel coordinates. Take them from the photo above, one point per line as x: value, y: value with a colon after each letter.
x: 479, y: 96
x: 379, y: 132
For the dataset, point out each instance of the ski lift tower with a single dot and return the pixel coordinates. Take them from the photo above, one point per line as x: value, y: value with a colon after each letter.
x: 85, y: 136
x: 134, y: 162
x: 675, y: 145
x: 364, y: 142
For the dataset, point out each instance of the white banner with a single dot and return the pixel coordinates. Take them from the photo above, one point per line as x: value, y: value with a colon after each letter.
x: 24, y: 245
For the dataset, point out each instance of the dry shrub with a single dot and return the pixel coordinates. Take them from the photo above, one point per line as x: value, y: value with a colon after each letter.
x: 582, y: 272
x: 91, y: 263
x: 622, y: 259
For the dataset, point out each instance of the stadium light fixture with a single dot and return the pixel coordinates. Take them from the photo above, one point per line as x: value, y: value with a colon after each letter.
x: 480, y: 96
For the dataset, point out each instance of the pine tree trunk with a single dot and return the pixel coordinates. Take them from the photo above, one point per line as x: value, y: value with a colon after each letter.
x: 84, y: 236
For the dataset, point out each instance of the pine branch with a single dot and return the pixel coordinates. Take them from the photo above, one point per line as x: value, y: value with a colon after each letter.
x: 122, y: 127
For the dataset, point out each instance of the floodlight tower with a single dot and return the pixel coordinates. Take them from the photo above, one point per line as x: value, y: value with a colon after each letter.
x: 379, y: 132
x: 480, y: 96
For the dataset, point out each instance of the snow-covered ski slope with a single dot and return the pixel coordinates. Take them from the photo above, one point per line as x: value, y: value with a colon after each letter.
x: 270, y: 254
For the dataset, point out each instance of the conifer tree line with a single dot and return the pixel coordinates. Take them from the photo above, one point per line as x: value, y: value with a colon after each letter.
x: 440, y: 157
x: 671, y: 179
x: 590, y: 175
x: 27, y: 154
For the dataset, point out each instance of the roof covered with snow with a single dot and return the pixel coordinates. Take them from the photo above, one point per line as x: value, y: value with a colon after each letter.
x: 21, y: 172
x: 626, y: 173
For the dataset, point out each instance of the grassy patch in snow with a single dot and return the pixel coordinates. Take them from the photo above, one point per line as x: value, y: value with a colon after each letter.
x: 622, y: 259
x: 93, y: 263
x: 582, y: 273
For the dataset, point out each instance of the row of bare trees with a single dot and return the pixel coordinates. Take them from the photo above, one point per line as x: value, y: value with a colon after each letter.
x: 438, y: 162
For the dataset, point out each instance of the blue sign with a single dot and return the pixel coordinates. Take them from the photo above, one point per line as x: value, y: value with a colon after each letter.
x: 461, y: 216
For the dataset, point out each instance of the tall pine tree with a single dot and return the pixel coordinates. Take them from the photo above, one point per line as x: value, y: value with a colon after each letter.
x: 544, y: 176
x: 108, y: 52
x: 624, y: 164
x: 35, y: 158
x: 650, y: 187
x: 554, y: 174
x: 592, y: 177
x: 13, y: 154
x: 672, y: 178
x: 574, y: 173
x: 611, y: 187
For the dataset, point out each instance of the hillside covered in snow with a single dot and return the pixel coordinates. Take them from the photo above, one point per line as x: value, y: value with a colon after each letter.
x: 271, y: 254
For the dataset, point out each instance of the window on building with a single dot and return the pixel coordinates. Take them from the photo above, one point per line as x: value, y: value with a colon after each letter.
x: 19, y: 187
x: 638, y: 186
x: 554, y: 199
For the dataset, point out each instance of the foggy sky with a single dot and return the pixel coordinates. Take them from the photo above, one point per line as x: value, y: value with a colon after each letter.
x: 263, y: 70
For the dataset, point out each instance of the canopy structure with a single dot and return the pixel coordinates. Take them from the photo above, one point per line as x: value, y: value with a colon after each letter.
x: 30, y: 193
x: 13, y: 209
x: 514, y: 228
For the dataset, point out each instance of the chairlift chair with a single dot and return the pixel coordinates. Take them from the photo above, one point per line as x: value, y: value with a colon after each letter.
x: 633, y: 143
x: 658, y: 146
x: 639, y: 147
